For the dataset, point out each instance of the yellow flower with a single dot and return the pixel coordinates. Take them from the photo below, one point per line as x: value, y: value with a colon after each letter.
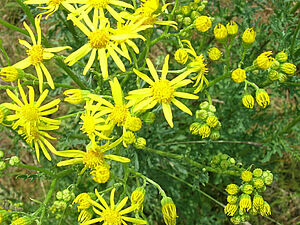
x: 93, y: 157
x: 248, y: 101
x: 169, y: 211
x: 9, y: 74
x: 212, y: 121
x: 98, y: 6
x: 249, y: 36
x: 262, y: 98
x: 30, y: 113
x: 82, y: 201
x: 101, y: 173
x: 36, y: 138
x: 161, y: 91
x: 214, y: 53
x: 203, y: 23
x: 230, y: 209
x: 204, y: 131
x: 258, y: 202
x: 137, y: 198
x: 76, y: 96
x: 37, y: 54
x: 92, y: 121
x: 264, y: 61
x: 245, y: 202
x: 181, y: 56
x: 113, y: 214
x: 265, y: 210
x: 232, y: 189
x: 133, y: 123
x: 196, y: 66
x: 101, y: 42
x: 220, y: 32
x: 288, y: 68
x: 246, y: 175
x: 52, y: 5
x: 238, y: 75
x: 232, y: 28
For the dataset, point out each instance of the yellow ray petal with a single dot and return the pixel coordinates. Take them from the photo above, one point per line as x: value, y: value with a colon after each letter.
x: 103, y: 62
x: 117, y: 158
x: 152, y: 69
x: 143, y: 76
x: 22, y: 93
x: 181, y: 106
x: 42, y: 98
x: 116, y: 91
x: 90, y: 62
x: 57, y: 49
x: 165, y: 68
x: 185, y: 95
x: 40, y: 76
x: 168, y: 114
x: 47, y: 75
x: 30, y: 33
x: 71, y: 153
x: 23, y: 64
x: 69, y: 162
x: 14, y: 97
x: 134, y: 220
x: 116, y: 59
x: 25, y: 43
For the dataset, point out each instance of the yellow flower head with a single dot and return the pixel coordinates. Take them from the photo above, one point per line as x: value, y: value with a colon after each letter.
x: 37, y: 54
x: 82, y: 201
x: 265, y: 210
x: 76, y: 96
x: 9, y: 74
x: 204, y: 131
x: 264, y: 61
x: 112, y: 214
x: 246, y: 175
x: 181, y: 56
x: 169, y: 211
x: 232, y: 189
x: 245, y: 202
x: 133, y: 123
x: 238, y: 75
x: 161, y: 91
x: 258, y: 202
x: 232, y: 28
x: 140, y: 143
x: 203, y: 23
x: 248, y: 101
x: 249, y: 36
x: 288, y: 68
x: 258, y: 183
x: 230, y: 209
x: 137, y: 198
x: 128, y: 138
x: 93, y: 157
x: 30, y: 113
x: 262, y: 98
x: 212, y: 121
x: 214, y: 53
x: 220, y: 32
x: 101, y: 173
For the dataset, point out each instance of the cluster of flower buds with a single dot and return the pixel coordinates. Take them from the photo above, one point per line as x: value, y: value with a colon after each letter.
x: 207, y: 124
x: 130, y: 138
x: 246, y: 199
x: 224, y: 162
x: 12, y: 161
x: 187, y: 14
x: 281, y: 69
x: 84, y: 206
x: 63, y: 201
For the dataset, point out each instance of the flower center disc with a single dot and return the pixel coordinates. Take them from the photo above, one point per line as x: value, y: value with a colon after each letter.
x: 162, y: 91
x: 99, y: 39
x: 29, y: 113
x: 55, y: 2
x: 99, y: 4
x: 119, y: 114
x: 93, y: 158
x: 36, y: 54
x: 112, y: 217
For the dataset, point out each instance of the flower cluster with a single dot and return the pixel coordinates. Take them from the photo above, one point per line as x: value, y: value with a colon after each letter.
x: 246, y: 199
x: 63, y: 199
x: 207, y: 124
x: 224, y: 162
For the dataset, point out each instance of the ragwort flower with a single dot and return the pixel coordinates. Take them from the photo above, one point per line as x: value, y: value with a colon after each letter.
x: 37, y: 54
x: 161, y: 91
x: 113, y: 214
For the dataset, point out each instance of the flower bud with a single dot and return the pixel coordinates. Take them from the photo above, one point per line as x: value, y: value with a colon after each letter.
x: 66, y: 195
x: 238, y: 75
x: 14, y: 160
x: 1, y: 154
x: 179, y: 18
x: 247, y: 189
x: 224, y: 156
x: 282, y: 77
x: 203, y: 23
x: 83, y: 201
x: 230, y: 209
x: 204, y: 131
x: 212, y: 121
x: 214, y: 135
x: 220, y: 32
x: 275, y: 65
x: 201, y: 114
x: 265, y: 210
x: 264, y: 61
x: 224, y: 164
x: 137, y: 198
x: 273, y: 75
x: 133, y: 123
x: 258, y: 183
x: 253, y: 211
x: 62, y: 205
x: 2, y: 165
x: 231, y: 161
x: 236, y: 220
x: 288, y: 68
x: 59, y: 195
x: 212, y: 108
x: 169, y: 211
x: 214, y: 53
x: 10, y: 74
x: 232, y: 28
x: 187, y: 21
x: 246, y: 176
x: 101, y: 174
x: 267, y: 177
x: 262, y: 98
x: 195, y: 15
x: 204, y: 105
x: 201, y: 8
x: 216, y: 159
x: 232, y: 189
x: 25, y: 220
x: 181, y: 56
x: 245, y: 202
x: 257, y: 172
x: 281, y: 56
x: 76, y: 96
x: 232, y: 199
x: 249, y: 36
x: 140, y: 143
x: 128, y: 138
x: 149, y: 117
x: 186, y: 10
x: 195, y: 127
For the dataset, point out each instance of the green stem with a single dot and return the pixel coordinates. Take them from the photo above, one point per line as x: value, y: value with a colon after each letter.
x: 4, y: 53
x: 30, y: 167
x: 10, y: 26
x: 252, y: 84
x: 208, y: 97
x: 294, y: 39
x: 47, y: 199
x: 161, y: 191
x: 69, y: 115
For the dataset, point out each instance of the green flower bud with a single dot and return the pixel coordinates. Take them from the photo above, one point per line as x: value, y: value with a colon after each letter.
x: 195, y: 127
x: 214, y: 135
x: 201, y: 8
x: 231, y: 161
x: 59, y: 195
x: 14, y: 160
x: 273, y: 75
x: 195, y: 15
x: 253, y: 211
x: 275, y: 65
x: 62, y: 205
x: 66, y: 195
x: 187, y: 21
x: 1, y: 154
x: 224, y: 156
x: 219, y: 126
x: 288, y: 68
x: 179, y: 18
x: 257, y: 172
x: 224, y: 164
x: 204, y: 2
x: 204, y: 105
x: 232, y: 199
x: 232, y: 189
x: 2, y: 165
x: 140, y: 143
x: 212, y: 108
x: 267, y: 177
x: 235, y: 220
x: 247, y: 189
x: 281, y: 56
x: 201, y: 114
x: 216, y: 159
x: 282, y: 77
x: 149, y: 117
x: 186, y: 10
